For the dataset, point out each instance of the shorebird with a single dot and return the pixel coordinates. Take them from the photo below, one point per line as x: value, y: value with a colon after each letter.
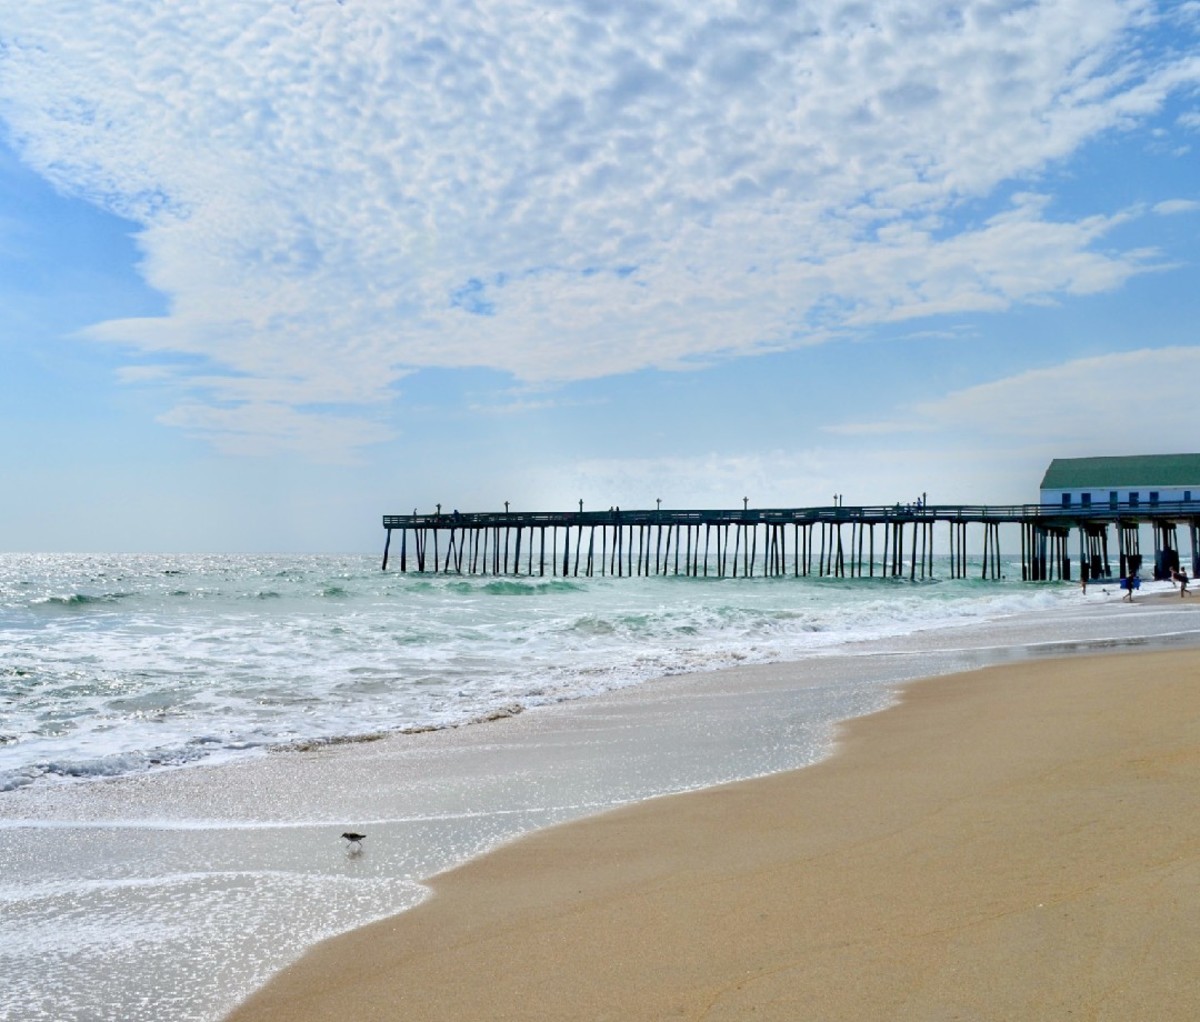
x: 354, y: 839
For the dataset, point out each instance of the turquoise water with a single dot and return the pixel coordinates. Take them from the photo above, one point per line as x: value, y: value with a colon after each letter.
x: 111, y: 665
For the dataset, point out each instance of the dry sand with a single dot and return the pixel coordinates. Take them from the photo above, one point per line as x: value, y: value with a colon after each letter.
x: 1020, y: 842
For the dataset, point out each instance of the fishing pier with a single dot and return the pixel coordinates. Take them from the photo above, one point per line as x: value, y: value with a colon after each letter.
x: 842, y: 542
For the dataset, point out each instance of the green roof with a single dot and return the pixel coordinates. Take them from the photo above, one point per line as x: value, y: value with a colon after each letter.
x: 1120, y: 473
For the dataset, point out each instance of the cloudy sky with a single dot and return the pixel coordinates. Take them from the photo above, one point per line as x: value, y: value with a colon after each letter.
x: 269, y: 270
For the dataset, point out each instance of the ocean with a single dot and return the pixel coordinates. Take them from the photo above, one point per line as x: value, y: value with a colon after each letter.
x: 183, y: 738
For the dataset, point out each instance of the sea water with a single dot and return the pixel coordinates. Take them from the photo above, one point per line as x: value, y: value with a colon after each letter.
x: 182, y: 739
x: 111, y: 665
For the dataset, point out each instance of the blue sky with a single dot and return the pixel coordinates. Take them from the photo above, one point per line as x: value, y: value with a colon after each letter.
x: 269, y: 271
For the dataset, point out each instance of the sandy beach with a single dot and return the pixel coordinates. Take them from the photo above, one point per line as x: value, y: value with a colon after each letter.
x: 1020, y: 842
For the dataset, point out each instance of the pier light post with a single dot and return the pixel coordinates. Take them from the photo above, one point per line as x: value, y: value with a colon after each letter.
x: 506, y: 507
x: 658, y: 501
x: 581, y: 507
x: 745, y: 503
x: 439, y: 507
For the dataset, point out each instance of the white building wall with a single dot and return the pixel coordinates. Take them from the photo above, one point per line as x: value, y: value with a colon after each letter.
x: 1143, y: 496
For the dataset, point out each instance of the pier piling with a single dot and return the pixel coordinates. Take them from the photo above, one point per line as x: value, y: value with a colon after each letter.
x: 826, y: 542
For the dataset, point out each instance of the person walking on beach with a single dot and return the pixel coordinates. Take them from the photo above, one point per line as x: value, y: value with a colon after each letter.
x: 1180, y: 577
x: 1131, y: 583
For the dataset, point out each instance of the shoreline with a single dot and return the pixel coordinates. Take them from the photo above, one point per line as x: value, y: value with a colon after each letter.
x: 979, y: 844
x: 237, y: 869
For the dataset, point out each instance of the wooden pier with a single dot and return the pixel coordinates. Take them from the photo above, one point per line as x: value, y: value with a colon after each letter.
x: 834, y: 541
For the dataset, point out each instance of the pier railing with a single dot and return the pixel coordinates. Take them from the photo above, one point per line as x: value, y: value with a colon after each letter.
x: 827, y: 540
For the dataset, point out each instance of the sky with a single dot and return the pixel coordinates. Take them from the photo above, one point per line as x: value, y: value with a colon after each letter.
x: 271, y: 270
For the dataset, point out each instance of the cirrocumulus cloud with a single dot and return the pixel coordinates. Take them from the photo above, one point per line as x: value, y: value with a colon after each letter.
x: 332, y: 195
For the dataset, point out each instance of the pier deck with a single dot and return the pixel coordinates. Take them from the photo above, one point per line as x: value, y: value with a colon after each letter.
x: 830, y: 540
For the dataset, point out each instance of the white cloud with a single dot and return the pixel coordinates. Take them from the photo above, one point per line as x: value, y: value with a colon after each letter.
x: 332, y: 195
x: 877, y: 473
x: 982, y: 444
x: 261, y: 427
x: 1173, y: 206
x: 1137, y: 402
x: 780, y: 478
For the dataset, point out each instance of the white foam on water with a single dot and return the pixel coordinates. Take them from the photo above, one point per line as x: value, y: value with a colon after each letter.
x: 118, y: 665
x: 171, y: 893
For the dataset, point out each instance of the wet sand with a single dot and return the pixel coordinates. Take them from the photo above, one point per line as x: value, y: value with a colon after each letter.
x: 1020, y: 842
